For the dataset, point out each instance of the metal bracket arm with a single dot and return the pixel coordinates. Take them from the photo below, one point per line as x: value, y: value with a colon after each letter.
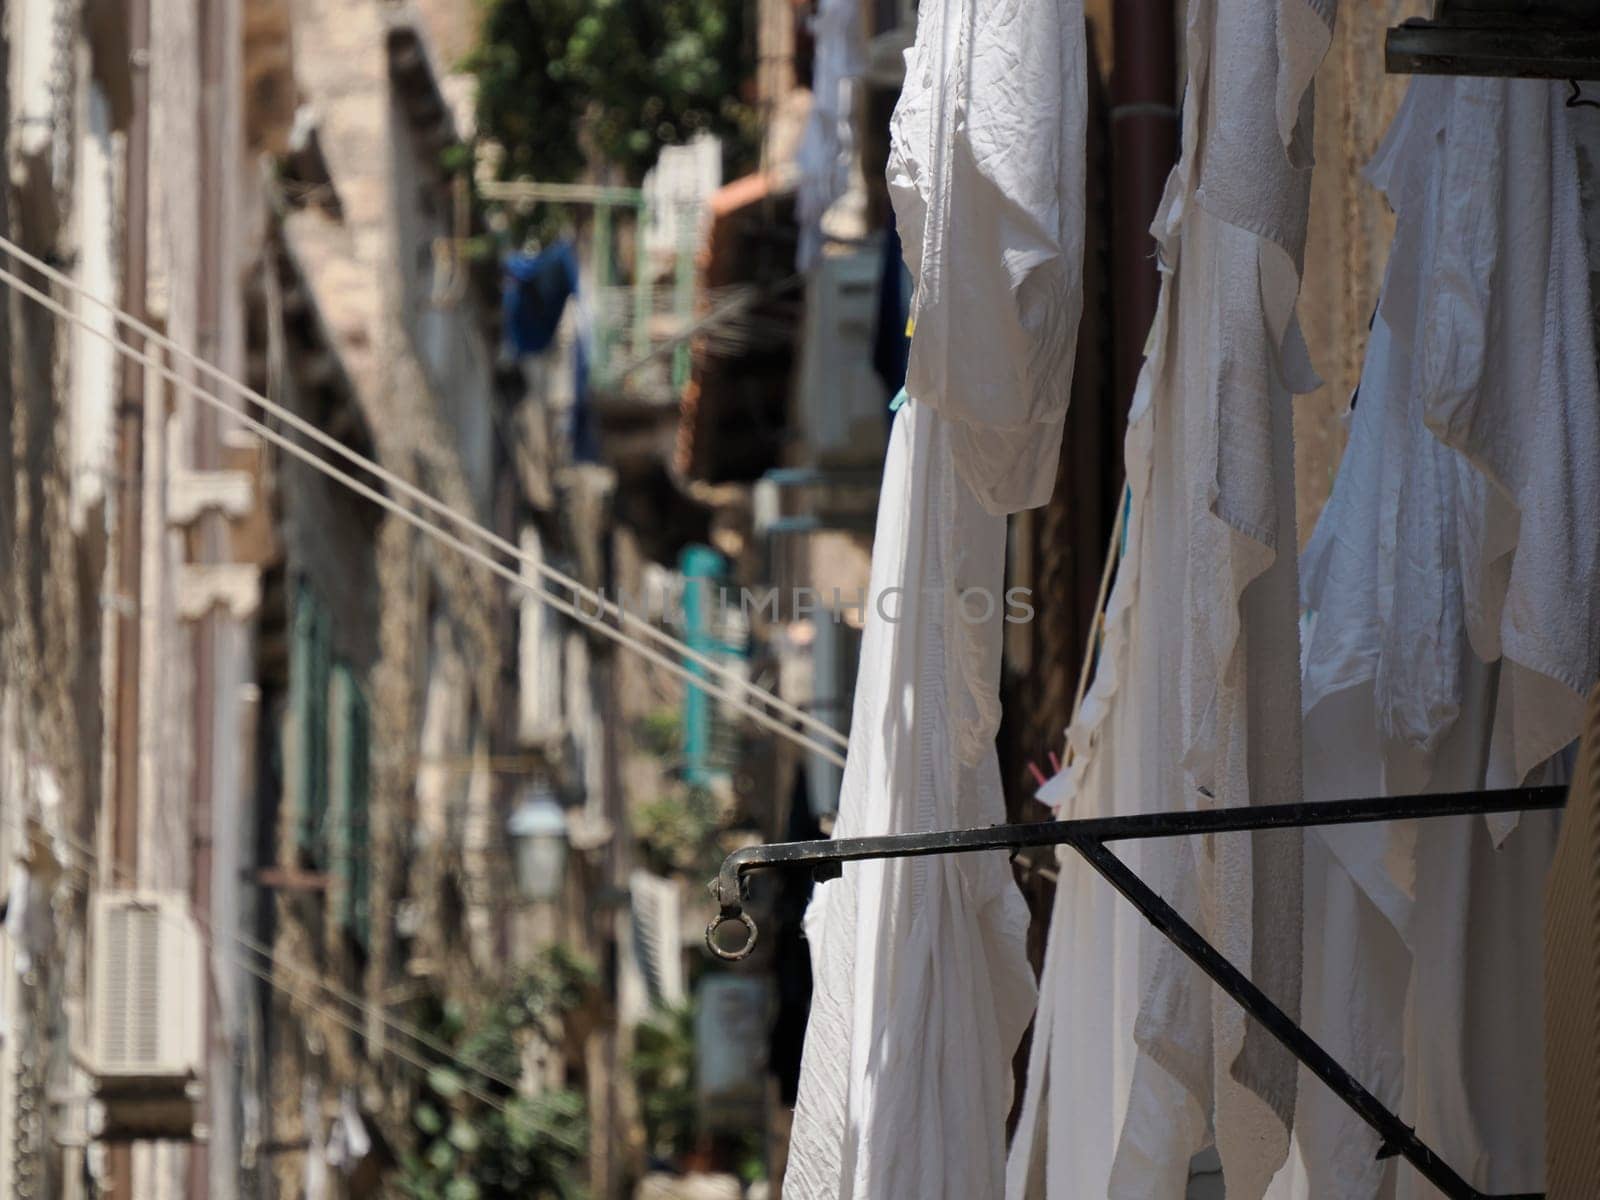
x: 1089, y: 838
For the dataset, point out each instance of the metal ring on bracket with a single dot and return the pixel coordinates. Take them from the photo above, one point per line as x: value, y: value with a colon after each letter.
x: 738, y: 952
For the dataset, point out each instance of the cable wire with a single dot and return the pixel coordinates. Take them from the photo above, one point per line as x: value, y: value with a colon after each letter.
x: 582, y: 594
x: 603, y: 608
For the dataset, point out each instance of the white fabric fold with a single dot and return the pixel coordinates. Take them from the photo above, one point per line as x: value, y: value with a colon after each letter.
x: 922, y: 987
x: 922, y: 984
x: 1450, y: 649
x: 986, y: 170
x: 1195, y: 700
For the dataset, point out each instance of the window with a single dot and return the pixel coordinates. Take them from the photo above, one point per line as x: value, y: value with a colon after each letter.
x: 309, y: 666
x: 713, y: 628
x: 351, y: 755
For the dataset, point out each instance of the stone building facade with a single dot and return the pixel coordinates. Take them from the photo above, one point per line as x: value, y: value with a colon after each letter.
x: 227, y: 682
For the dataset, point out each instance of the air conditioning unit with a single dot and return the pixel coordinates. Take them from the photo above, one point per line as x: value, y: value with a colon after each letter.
x: 843, y: 407
x: 146, y: 1014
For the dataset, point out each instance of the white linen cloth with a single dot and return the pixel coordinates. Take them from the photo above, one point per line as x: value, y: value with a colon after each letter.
x: 1452, y: 577
x: 986, y: 170
x: 922, y: 987
x: 1137, y: 1061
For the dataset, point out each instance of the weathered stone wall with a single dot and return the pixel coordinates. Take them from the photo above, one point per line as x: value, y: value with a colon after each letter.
x: 1348, y: 243
x: 50, y: 731
x: 420, y: 368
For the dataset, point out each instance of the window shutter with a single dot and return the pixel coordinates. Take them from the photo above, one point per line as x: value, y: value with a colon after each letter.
x: 710, y: 740
x: 351, y: 798
x: 308, y: 694
x: 657, y: 910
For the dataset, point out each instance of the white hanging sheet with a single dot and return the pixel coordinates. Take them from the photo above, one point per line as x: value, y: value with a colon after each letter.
x: 1450, y: 648
x: 987, y: 174
x: 922, y: 986
x: 1137, y: 1062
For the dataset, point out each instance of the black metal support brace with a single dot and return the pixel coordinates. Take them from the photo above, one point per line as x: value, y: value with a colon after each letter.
x: 1089, y: 838
x: 1530, y: 39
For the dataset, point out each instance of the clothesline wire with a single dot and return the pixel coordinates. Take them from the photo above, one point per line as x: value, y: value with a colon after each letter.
x: 603, y: 608
x: 409, y: 490
x: 1097, y: 625
x: 310, y: 1000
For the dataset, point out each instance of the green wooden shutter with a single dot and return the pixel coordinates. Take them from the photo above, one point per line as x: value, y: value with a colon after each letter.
x: 351, y: 758
x: 710, y: 741
x: 308, y: 697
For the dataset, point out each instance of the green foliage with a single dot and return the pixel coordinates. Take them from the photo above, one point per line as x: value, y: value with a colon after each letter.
x: 678, y: 832
x: 661, y: 733
x: 663, y: 1072
x: 529, y: 1148
x: 620, y: 77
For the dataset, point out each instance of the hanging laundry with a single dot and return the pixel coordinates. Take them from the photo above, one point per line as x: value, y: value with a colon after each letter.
x: 581, y: 431
x: 827, y: 147
x: 922, y: 984
x: 534, y: 294
x: 986, y: 170
x: 922, y: 988
x: 316, y: 1182
x: 349, y: 1142
x: 891, y: 343
x: 27, y: 913
x: 533, y: 299
x: 28, y: 922
x: 1449, y: 648
x: 1138, y: 1062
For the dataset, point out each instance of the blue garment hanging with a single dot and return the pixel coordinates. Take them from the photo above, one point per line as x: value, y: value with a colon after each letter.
x: 534, y: 294
x: 890, y: 345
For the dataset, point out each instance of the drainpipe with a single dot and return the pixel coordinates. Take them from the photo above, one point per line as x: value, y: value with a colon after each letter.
x: 208, y: 545
x: 130, y: 455
x: 1144, y: 146
x: 130, y: 476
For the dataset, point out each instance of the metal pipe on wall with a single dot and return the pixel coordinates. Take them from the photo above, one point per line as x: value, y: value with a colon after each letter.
x: 130, y: 501
x: 208, y: 545
x: 130, y: 450
x: 1144, y: 146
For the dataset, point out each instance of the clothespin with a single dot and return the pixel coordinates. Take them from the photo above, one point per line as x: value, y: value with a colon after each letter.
x: 899, y: 400
x: 1055, y: 762
x: 1038, y: 775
